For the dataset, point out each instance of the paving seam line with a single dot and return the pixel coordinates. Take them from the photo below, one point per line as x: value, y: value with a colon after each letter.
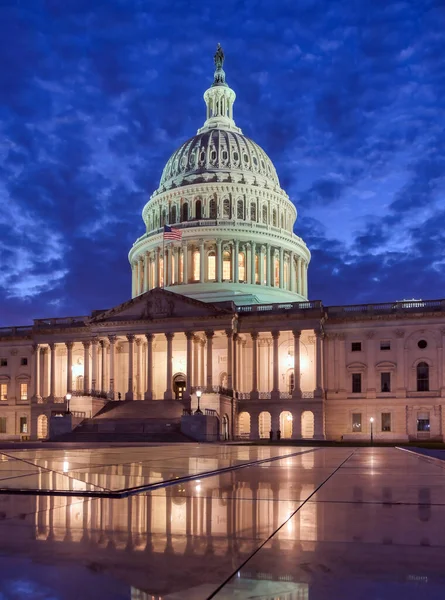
x: 125, y: 493
x: 222, y: 585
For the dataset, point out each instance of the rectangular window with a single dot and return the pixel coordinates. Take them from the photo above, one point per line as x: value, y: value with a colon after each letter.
x: 24, y: 361
x: 385, y: 382
x: 3, y: 362
x: 356, y: 383
x: 423, y: 422
x: 23, y: 425
x: 356, y: 422
x: 356, y: 347
x: 385, y: 345
x: 2, y: 424
x: 23, y: 391
x: 3, y: 391
x: 386, y: 421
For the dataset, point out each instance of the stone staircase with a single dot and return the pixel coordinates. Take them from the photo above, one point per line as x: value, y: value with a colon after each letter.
x: 131, y: 421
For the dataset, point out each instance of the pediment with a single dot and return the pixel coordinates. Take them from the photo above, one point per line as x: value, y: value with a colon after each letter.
x: 160, y: 304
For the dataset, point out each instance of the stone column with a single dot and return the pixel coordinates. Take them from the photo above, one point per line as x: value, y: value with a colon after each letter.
x: 103, y: 348
x: 129, y: 395
x: 276, y: 367
x: 370, y: 359
x: 133, y: 280
x: 209, y: 337
x: 94, y: 343
x: 268, y: 267
x: 299, y: 291
x: 236, y: 262
x: 146, y: 265
x: 168, y: 394
x: 86, y: 367
x: 401, y: 389
x: 281, y: 267
x: 218, y: 260
x: 305, y: 278
x: 52, y: 379
x: 136, y: 272
x: 69, y: 367
x: 296, y: 392
x: 170, y: 265
x: 149, y: 391
x: 318, y: 392
x: 252, y: 263
x: 202, y: 363
x: 188, y: 387
x: 201, y: 261
x: 196, y: 346
x: 138, y: 342
x: 157, y: 281
x: 235, y: 363
x: 254, y: 392
x: 177, y: 264
x: 261, y: 265
x: 112, y: 339
x: 229, y: 334
x: 36, y: 352
x: 185, y: 272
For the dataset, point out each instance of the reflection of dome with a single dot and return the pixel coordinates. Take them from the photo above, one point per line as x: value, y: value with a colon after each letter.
x: 213, y: 155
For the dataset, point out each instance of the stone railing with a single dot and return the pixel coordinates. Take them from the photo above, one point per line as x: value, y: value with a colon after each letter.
x: 18, y: 331
x: 267, y: 395
x: 60, y: 321
x: 240, y: 223
x: 214, y: 389
x: 404, y: 306
x: 93, y: 393
x: 281, y: 307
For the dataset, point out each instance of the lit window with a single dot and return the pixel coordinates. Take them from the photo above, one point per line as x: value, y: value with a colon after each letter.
x: 23, y: 425
x: 386, y: 421
x: 3, y: 391
x: 277, y: 272
x: 173, y: 273
x: 356, y: 347
x: 196, y: 266
x: 257, y: 274
x: 2, y: 424
x: 356, y: 422
x: 241, y: 266
x: 181, y: 269
x: 385, y: 382
x: 356, y: 383
x: 227, y: 266
x: 385, y: 345
x: 23, y: 391
x: 211, y: 266
x: 161, y: 272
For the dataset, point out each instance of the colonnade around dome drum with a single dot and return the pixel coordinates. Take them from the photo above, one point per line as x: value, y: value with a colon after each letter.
x: 219, y: 261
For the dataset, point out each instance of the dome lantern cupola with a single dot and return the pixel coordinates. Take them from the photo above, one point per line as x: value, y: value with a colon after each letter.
x: 219, y: 99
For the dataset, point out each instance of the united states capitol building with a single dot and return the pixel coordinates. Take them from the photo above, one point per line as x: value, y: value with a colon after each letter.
x: 223, y: 310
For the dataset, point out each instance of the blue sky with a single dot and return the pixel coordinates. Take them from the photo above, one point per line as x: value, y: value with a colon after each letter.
x: 346, y: 97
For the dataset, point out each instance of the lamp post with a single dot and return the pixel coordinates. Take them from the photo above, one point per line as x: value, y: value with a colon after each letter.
x: 371, y: 420
x: 68, y: 398
x: 198, y: 411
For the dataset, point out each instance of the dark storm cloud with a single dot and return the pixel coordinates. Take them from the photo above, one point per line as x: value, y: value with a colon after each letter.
x: 346, y: 98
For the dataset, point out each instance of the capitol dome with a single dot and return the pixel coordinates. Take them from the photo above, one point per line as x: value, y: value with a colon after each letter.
x: 230, y: 224
x: 219, y: 155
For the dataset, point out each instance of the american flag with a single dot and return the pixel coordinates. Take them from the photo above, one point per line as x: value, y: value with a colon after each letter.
x: 170, y: 233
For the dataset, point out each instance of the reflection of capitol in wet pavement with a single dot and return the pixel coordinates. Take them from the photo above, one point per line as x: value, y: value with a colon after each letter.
x: 254, y: 532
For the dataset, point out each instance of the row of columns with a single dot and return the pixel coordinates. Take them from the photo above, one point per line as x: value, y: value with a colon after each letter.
x: 147, y: 273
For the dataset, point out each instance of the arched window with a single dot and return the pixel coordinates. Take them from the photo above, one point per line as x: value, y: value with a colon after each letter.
x: 253, y: 211
x: 164, y: 218
x: 240, y: 209
x: 274, y: 218
x: 227, y: 266
x: 264, y: 213
x: 282, y: 221
x: 212, y: 209
x: 196, y: 265
x: 198, y: 209
x: 173, y: 214
x: 185, y: 212
x: 423, y: 377
x: 242, y: 266
x: 276, y: 263
x: 211, y: 266
x: 226, y: 208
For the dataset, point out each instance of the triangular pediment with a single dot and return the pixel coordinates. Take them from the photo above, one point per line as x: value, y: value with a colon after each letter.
x: 160, y: 304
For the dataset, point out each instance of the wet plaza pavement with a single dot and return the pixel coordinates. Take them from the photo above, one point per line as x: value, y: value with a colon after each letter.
x: 270, y: 523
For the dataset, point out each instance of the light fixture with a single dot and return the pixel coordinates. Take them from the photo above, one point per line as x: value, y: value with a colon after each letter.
x: 198, y: 411
x: 371, y: 420
x: 68, y: 398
